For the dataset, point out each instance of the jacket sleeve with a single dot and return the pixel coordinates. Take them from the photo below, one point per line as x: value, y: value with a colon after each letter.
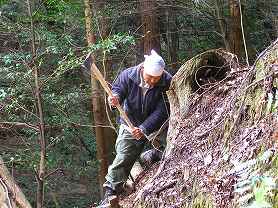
x: 156, y: 119
x: 120, y: 86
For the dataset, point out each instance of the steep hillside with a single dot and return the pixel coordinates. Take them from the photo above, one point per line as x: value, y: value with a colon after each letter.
x: 222, y: 149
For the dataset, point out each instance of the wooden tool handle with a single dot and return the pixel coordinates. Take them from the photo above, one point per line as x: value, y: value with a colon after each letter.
x: 107, y: 89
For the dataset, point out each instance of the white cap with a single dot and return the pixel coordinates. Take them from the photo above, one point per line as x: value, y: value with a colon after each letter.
x: 154, y: 64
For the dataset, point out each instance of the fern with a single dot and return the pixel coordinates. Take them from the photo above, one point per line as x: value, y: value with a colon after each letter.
x: 255, y: 186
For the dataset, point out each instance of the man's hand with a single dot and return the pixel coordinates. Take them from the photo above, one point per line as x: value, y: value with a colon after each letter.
x: 113, y: 100
x: 137, y: 133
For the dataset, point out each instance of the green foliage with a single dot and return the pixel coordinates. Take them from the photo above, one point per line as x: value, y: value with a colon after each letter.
x: 257, y: 184
x: 262, y: 187
x: 2, y: 2
x: 58, y: 12
x: 113, y: 42
x: 260, y: 31
x: 119, y: 42
x: 3, y: 94
x: 65, y: 96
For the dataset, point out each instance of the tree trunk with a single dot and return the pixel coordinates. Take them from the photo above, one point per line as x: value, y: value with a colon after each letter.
x: 41, y: 172
x: 235, y: 39
x: 221, y: 23
x: 98, y: 106
x: 109, y: 133
x: 149, y: 17
x: 172, y: 38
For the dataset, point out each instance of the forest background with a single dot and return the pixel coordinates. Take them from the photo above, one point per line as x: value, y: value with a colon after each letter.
x: 49, y: 105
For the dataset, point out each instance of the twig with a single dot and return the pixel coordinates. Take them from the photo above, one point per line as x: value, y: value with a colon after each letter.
x: 105, y: 100
x: 91, y: 154
x: 263, y: 53
x: 258, y: 81
x: 168, y: 185
x: 152, y: 140
x: 84, y: 125
x: 19, y: 124
x: 52, y: 172
x: 243, y: 36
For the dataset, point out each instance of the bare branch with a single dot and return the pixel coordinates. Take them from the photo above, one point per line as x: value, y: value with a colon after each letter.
x: 53, y: 172
x: 18, y: 124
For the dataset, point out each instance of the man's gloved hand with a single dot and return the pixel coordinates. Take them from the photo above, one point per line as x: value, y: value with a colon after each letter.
x: 137, y: 133
x: 113, y: 100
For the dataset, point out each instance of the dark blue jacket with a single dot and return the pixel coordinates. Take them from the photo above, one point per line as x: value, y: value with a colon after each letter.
x: 150, y: 112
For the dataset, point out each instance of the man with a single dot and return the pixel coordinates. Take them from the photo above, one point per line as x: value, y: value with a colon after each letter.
x: 141, y: 92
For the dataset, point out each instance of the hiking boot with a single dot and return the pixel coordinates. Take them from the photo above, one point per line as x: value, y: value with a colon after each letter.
x: 149, y: 157
x: 109, y: 194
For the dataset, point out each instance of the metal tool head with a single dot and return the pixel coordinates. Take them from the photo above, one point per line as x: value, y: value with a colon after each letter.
x: 88, y: 62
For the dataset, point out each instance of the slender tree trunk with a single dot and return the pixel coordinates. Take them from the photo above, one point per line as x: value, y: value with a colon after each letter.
x: 98, y: 105
x: 41, y: 171
x: 235, y: 38
x: 221, y: 23
x: 172, y: 38
x: 109, y: 134
x: 149, y: 16
x: 91, y: 39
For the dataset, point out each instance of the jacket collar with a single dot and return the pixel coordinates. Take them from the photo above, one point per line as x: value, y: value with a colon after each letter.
x: 134, y: 75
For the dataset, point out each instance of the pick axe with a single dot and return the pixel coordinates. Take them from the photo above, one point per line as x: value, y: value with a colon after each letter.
x: 90, y: 65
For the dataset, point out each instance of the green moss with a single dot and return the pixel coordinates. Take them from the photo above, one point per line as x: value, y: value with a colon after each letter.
x: 202, y: 201
x: 260, y: 68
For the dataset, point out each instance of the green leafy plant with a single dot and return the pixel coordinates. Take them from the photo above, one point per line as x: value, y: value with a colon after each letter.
x: 256, y: 185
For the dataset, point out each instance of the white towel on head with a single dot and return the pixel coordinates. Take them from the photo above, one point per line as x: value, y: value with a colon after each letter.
x: 154, y: 64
